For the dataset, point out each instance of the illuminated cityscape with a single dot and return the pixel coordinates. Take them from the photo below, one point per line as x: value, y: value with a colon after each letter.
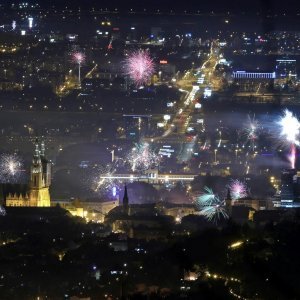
x: 149, y: 150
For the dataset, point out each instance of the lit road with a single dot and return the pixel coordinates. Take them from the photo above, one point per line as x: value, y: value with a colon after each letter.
x: 178, y: 128
x: 70, y: 84
x: 90, y: 73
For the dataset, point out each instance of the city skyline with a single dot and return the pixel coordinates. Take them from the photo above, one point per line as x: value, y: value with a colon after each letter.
x: 149, y: 150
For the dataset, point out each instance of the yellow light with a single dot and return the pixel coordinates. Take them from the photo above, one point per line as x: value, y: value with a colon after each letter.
x: 236, y: 245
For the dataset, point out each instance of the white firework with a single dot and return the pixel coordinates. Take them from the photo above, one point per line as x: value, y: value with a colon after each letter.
x: 2, y: 211
x: 251, y: 131
x: 10, y: 168
x: 104, y: 181
x: 142, y: 157
x: 289, y: 128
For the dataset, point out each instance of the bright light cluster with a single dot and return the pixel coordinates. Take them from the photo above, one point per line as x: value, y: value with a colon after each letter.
x: 139, y: 67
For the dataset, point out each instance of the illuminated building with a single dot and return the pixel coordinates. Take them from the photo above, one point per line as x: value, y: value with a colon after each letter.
x: 30, y: 22
x: 143, y: 221
x: 252, y: 81
x: 288, y: 182
x: 37, y: 194
x: 252, y: 75
x: 286, y: 68
x: 91, y: 211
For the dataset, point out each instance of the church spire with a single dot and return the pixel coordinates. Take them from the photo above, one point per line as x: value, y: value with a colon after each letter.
x: 37, y: 153
x: 228, y: 197
x: 125, y: 198
x: 228, y: 202
x: 43, y: 148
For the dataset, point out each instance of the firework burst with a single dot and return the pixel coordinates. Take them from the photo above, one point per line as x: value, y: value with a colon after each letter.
x: 289, y: 132
x: 206, y: 198
x: 104, y: 182
x: 251, y: 130
x: 139, y: 67
x: 210, y: 206
x: 289, y: 128
x: 238, y: 189
x: 2, y: 211
x: 78, y: 57
x: 142, y: 157
x: 10, y: 168
x: 214, y: 212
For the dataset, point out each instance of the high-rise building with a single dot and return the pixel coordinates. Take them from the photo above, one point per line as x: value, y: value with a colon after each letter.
x: 288, y: 187
x: 286, y: 68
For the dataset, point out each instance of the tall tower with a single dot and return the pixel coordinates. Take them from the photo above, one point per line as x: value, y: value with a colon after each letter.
x: 125, y: 200
x: 40, y: 178
x: 228, y: 202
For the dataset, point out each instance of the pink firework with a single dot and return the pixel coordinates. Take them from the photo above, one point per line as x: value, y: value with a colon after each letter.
x: 238, y: 189
x: 78, y: 57
x: 139, y: 66
x: 292, y: 156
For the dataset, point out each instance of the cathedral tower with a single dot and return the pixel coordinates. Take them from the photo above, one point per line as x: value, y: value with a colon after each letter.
x: 126, y: 201
x: 40, y: 177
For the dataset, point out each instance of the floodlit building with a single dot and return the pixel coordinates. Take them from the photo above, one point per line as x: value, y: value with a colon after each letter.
x: 36, y: 194
x: 288, y: 182
x: 286, y: 69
